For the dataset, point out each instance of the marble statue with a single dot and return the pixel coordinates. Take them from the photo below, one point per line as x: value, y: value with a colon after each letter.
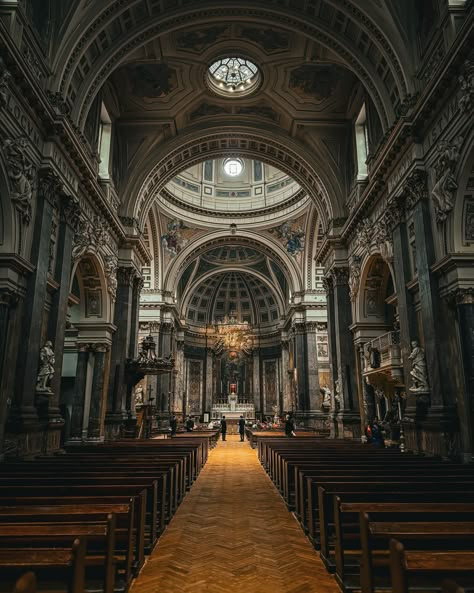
x: 138, y: 395
x: 326, y: 404
x: 46, y: 368
x: 418, y: 371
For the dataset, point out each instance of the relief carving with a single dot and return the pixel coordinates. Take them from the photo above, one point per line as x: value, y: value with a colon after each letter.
x: 110, y: 268
x: 5, y: 78
x: 444, y: 192
x: 21, y: 175
x: 90, y: 237
x: 466, y: 82
x: 354, y: 277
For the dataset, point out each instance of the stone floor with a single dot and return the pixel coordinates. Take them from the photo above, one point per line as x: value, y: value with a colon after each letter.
x: 233, y: 533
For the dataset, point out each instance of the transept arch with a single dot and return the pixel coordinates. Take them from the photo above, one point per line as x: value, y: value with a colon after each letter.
x: 285, y: 154
x: 219, y: 238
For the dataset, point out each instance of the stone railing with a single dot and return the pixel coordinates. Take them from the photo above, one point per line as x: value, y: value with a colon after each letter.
x: 385, y: 352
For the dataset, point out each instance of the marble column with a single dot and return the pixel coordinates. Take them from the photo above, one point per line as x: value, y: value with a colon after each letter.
x: 312, y: 368
x: 256, y: 380
x: 300, y: 360
x: 465, y: 311
x: 208, y: 395
x: 417, y: 200
x: 7, y: 301
x: 69, y: 217
x: 179, y: 385
x: 121, y: 348
x: 286, y: 375
x: 164, y: 381
x: 406, y: 312
x: 348, y: 413
x: 23, y: 411
x: 98, y: 393
x: 77, y: 413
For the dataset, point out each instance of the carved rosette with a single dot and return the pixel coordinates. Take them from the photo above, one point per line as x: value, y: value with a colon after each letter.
x: 444, y: 191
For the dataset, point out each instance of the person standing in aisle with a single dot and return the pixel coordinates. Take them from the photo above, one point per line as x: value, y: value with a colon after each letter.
x: 223, y: 428
x: 242, y: 428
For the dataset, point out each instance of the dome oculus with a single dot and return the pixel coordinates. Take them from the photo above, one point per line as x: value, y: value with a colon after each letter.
x: 233, y: 76
x: 233, y: 167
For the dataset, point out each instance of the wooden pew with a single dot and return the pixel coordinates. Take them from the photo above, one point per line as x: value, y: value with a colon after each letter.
x: 428, y: 541
x: 65, y: 567
x: 125, y: 532
x: 406, y: 564
x: 389, y: 506
x: 99, y: 538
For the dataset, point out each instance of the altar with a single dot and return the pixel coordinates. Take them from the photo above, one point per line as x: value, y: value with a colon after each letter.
x: 233, y: 409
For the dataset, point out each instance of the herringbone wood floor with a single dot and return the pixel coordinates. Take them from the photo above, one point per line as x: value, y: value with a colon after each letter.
x: 233, y: 533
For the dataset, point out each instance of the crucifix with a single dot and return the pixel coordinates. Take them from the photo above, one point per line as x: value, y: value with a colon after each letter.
x: 149, y: 390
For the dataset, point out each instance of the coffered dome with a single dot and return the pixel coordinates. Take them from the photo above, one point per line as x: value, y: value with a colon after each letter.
x: 232, y: 294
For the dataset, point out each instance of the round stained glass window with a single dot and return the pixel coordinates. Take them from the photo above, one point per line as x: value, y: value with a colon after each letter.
x: 234, y: 76
x: 233, y: 167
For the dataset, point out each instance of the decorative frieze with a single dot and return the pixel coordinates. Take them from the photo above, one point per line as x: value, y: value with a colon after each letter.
x: 444, y: 191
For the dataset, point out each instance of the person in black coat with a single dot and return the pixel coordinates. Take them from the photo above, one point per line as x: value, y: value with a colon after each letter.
x: 189, y: 424
x: 173, y: 425
x: 242, y: 427
x: 223, y: 428
x: 289, y: 427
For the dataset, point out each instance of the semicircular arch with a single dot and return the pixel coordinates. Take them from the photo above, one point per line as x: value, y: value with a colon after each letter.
x: 106, y: 39
x: 165, y: 162
x: 207, y: 242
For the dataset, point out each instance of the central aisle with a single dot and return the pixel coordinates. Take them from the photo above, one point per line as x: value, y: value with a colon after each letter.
x: 233, y: 533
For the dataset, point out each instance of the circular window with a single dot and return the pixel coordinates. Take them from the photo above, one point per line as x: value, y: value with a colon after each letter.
x: 233, y: 76
x: 233, y: 167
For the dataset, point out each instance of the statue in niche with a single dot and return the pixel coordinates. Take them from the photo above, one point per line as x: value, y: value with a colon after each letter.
x: 326, y: 393
x: 418, y: 371
x: 46, y: 368
x: 138, y: 396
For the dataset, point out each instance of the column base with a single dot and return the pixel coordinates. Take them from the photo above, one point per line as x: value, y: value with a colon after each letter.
x: 43, y: 438
x: 113, y: 425
x: 348, y: 425
x: 436, y: 433
x: 94, y: 440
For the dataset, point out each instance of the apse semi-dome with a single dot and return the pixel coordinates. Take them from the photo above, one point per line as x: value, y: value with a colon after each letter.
x: 233, y: 76
x: 232, y: 294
